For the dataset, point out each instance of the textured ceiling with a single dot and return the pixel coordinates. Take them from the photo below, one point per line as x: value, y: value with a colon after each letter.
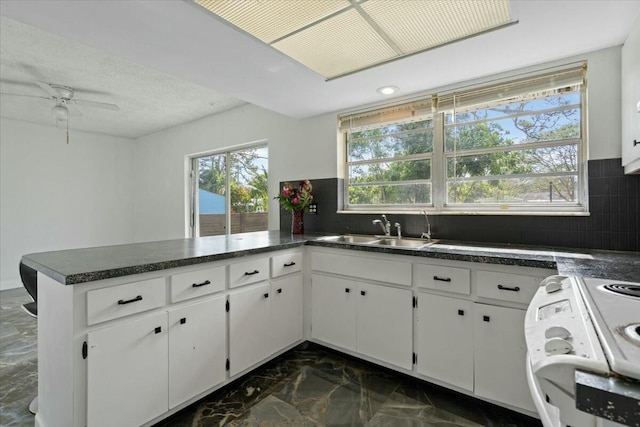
x: 113, y: 47
x: 149, y: 100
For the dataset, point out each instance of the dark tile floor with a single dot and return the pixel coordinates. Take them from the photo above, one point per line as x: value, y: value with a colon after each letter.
x: 308, y: 386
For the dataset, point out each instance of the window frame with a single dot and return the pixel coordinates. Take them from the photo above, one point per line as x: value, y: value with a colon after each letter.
x: 440, y: 156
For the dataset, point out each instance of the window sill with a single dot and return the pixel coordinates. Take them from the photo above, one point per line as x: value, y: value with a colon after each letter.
x: 418, y: 211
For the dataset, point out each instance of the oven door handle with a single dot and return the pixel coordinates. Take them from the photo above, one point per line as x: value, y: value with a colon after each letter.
x: 549, y: 415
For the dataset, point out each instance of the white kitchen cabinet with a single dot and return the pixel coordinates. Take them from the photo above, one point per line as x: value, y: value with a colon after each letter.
x: 127, y: 376
x: 249, y: 327
x: 384, y: 324
x: 444, y: 339
x: 286, y: 311
x: 369, y: 319
x: 630, y: 98
x: 197, y: 349
x: 333, y: 311
x: 499, y: 355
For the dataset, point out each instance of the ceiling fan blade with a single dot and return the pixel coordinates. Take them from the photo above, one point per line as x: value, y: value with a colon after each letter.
x: 23, y: 95
x: 47, y: 88
x: 102, y: 105
x: 74, y: 111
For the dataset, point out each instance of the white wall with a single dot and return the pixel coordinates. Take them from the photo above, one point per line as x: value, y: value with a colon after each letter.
x: 297, y: 149
x: 58, y: 196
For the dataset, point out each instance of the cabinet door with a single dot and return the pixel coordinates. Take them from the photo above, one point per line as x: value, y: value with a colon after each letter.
x: 445, y: 339
x: 385, y: 320
x: 499, y: 356
x: 286, y: 311
x: 127, y: 376
x: 249, y: 327
x: 197, y: 349
x: 333, y: 311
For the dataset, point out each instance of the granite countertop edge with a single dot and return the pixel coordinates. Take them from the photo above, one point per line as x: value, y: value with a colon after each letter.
x: 63, y: 266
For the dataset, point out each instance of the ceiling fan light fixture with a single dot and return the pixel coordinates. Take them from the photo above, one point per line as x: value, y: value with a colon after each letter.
x: 60, y: 112
x: 388, y: 90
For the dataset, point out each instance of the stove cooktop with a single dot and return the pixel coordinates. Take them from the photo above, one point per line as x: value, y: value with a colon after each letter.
x: 614, y: 307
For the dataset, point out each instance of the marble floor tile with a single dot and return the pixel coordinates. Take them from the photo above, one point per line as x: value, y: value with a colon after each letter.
x: 307, y: 386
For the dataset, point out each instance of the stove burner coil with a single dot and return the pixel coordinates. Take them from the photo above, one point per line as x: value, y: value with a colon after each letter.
x: 624, y: 289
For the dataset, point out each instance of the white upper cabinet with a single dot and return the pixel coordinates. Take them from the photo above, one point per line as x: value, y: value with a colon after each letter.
x: 631, y: 100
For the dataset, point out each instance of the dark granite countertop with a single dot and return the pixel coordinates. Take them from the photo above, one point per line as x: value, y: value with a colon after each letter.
x: 75, y: 266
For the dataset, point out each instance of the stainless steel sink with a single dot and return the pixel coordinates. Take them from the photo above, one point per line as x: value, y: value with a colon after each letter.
x: 350, y: 238
x: 403, y: 242
x: 379, y: 241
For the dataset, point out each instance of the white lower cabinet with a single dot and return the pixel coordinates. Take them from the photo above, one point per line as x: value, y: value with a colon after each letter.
x: 127, y: 375
x: 286, y: 311
x: 197, y: 349
x: 384, y: 324
x: 370, y: 319
x: 445, y: 339
x: 263, y: 319
x: 333, y: 311
x: 500, y: 354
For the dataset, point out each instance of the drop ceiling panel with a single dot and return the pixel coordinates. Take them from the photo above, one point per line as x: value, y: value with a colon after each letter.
x: 419, y: 25
x: 344, y: 43
x: 273, y: 19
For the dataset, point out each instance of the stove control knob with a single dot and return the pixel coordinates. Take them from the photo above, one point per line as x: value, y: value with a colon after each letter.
x: 553, y: 286
x: 557, y: 332
x: 557, y: 346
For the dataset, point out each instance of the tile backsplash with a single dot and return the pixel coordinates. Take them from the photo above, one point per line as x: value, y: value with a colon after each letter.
x: 614, y: 221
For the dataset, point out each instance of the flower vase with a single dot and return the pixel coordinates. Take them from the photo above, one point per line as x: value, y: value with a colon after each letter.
x: 297, y: 225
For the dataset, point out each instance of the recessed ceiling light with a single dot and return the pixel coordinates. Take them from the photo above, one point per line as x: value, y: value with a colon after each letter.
x: 388, y: 90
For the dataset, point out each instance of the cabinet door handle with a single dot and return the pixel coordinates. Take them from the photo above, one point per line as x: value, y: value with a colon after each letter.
x: 486, y: 318
x: 251, y: 273
x: 183, y: 320
x: 347, y: 290
x: 266, y: 295
x: 123, y: 302
x: 197, y: 285
x: 290, y: 264
x: 507, y: 288
x: 442, y: 279
x: 280, y: 290
x: 158, y: 330
x: 363, y: 293
x: 460, y: 312
x: 635, y: 142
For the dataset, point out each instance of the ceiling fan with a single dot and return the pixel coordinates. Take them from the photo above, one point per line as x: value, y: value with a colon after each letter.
x: 63, y: 97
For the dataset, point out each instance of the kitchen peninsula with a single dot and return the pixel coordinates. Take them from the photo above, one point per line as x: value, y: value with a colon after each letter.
x: 121, y: 329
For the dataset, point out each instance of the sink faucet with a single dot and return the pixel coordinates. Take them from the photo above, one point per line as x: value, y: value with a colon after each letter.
x: 426, y: 234
x: 386, y: 225
x: 397, y: 225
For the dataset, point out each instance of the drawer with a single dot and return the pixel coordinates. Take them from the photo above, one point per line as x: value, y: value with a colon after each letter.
x: 442, y: 278
x: 286, y: 264
x: 382, y: 270
x: 197, y: 283
x: 251, y: 271
x: 124, y: 300
x: 508, y: 287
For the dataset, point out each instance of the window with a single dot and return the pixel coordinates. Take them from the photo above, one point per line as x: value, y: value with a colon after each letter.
x: 514, y: 146
x: 229, y: 192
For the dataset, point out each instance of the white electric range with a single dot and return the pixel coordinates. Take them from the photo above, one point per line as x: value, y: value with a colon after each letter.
x: 580, y: 323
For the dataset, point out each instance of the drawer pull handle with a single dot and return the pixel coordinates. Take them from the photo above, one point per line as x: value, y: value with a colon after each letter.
x: 123, y: 302
x: 291, y: 264
x: 158, y: 330
x: 347, y: 290
x: 251, y: 273
x: 183, y: 320
x: 507, y: 288
x: 197, y: 285
x: 280, y: 290
x: 363, y: 293
x: 442, y: 279
x: 266, y: 295
x: 460, y: 312
x: 486, y: 318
